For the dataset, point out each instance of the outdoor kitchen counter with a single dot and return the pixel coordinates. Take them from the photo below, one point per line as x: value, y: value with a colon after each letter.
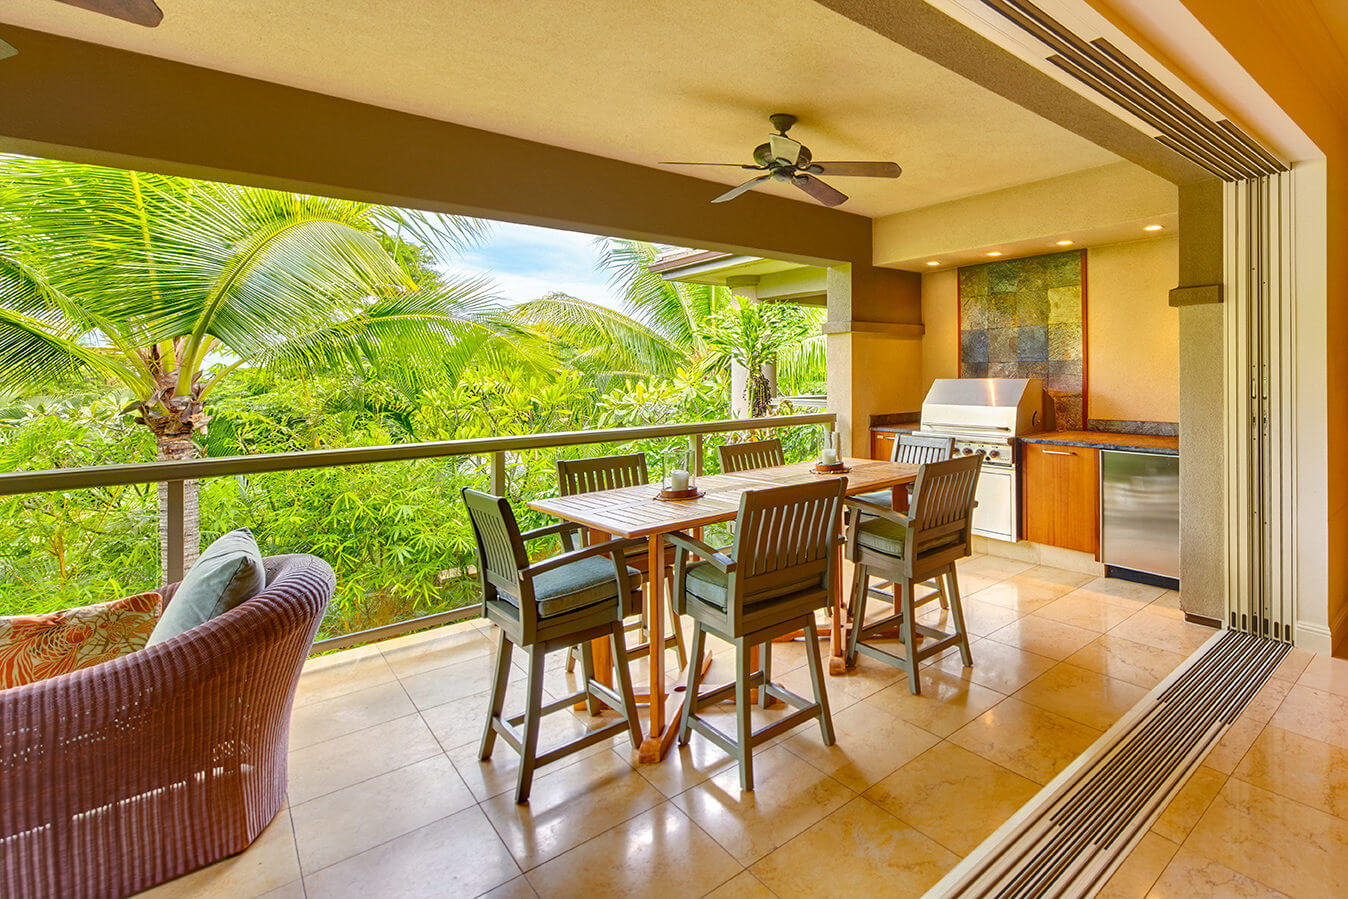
x: 1108, y: 440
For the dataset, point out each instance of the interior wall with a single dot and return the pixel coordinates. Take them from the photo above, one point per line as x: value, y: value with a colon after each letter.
x: 1127, y: 285
x: 1132, y: 332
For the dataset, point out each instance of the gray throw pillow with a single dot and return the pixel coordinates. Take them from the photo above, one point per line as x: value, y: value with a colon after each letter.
x: 228, y: 573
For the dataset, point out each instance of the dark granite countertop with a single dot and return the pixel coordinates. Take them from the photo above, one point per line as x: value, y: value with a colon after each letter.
x: 896, y: 429
x: 1108, y: 440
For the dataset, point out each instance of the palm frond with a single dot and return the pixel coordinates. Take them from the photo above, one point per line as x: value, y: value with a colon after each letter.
x: 597, y: 338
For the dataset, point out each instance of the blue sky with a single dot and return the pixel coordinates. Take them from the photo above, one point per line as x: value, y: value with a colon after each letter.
x: 526, y: 262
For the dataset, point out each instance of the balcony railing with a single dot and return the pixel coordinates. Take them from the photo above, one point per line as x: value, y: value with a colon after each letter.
x: 495, y: 449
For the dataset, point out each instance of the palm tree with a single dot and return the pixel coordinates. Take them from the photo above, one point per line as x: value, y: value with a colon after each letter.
x: 165, y: 286
x: 673, y: 309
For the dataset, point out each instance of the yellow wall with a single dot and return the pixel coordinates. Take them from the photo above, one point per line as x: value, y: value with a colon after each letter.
x: 1132, y: 333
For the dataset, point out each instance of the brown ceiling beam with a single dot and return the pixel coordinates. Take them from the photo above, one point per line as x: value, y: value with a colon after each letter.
x: 70, y: 99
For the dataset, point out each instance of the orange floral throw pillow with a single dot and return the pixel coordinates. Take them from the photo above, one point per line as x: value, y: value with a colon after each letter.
x: 35, y: 647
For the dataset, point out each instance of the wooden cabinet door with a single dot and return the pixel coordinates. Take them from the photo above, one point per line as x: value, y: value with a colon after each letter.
x: 882, y: 445
x: 1061, y: 496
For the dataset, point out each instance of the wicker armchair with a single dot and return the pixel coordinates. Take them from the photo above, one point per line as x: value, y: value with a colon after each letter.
x: 121, y: 776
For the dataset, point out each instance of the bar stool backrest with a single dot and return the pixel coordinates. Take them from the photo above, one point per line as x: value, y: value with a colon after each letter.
x: 919, y: 449
x: 601, y: 473
x: 784, y: 539
x: 756, y: 454
x: 942, y: 506
x: 500, y: 550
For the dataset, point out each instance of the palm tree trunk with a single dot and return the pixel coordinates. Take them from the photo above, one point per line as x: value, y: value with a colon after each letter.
x: 178, y: 449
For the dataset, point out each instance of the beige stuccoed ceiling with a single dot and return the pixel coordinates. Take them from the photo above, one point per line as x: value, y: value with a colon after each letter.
x: 636, y: 81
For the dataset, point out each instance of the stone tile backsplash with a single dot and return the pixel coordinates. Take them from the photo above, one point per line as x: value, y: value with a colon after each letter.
x: 1022, y: 318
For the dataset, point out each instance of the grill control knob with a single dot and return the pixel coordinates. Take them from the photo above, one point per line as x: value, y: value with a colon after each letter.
x: 994, y: 454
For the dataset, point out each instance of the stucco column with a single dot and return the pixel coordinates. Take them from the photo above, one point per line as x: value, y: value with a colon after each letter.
x: 874, y: 348
x: 1202, y: 457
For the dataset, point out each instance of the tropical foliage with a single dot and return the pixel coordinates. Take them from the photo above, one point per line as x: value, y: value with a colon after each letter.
x: 145, y: 316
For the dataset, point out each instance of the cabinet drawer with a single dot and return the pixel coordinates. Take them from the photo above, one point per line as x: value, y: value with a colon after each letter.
x: 882, y: 445
x: 1061, y: 496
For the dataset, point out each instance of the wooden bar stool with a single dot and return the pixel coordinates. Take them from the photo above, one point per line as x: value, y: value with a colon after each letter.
x: 779, y: 572
x: 607, y: 473
x: 563, y: 601
x: 913, y: 548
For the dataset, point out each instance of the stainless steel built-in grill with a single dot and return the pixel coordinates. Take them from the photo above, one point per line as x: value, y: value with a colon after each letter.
x: 986, y: 415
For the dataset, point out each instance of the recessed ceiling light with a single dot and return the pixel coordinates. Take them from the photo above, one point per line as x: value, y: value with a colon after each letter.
x: 1064, y: 243
x: 1153, y: 228
x: 933, y: 262
x: 995, y: 253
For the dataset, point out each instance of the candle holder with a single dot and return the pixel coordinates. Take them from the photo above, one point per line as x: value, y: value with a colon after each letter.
x: 830, y: 456
x: 680, y: 481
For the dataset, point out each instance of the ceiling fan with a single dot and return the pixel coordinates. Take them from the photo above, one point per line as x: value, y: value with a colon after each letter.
x: 789, y: 161
x: 137, y: 12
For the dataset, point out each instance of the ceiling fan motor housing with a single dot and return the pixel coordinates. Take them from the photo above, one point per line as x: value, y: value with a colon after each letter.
x: 763, y: 156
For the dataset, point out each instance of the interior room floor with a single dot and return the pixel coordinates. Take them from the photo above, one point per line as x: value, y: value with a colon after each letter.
x: 387, y: 796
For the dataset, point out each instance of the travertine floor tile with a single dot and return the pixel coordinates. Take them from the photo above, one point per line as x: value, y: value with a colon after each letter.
x: 1293, y: 664
x: 742, y: 886
x: 333, y: 764
x: 870, y: 742
x: 467, y: 678
x: 349, y: 821
x: 340, y: 673
x: 1193, y: 876
x: 438, y: 648
x: 1274, y: 840
x: 1085, y: 611
x: 946, y: 702
x: 512, y: 889
x: 1233, y: 745
x: 1044, y: 636
x: 789, y: 795
x: 1128, y: 594
x: 1316, y: 714
x: 980, y: 618
x: 1133, y: 879
x: 1048, y: 576
x: 1092, y: 699
x: 568, y: 806
x: 327, y: 719
x: 1023, y: 598
x: 1164, y: 631
x: 953, y: 795
x: 1184, y: 811
x: 852, y: 851
x: 997, y: 666
x: 684, y: 767
x: 657, y: 853
x: 496, y: 776
x: 1326, y: 674
x: 1031, y: 741
x: 1136, y: 663
x: 456, y: 856
x: 1309, y: 771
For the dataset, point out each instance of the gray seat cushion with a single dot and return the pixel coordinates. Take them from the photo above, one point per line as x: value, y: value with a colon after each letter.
x: 879, y: 497
x: 711, y: 585
x: 228, y: 573
x: 576, y: 585
x: 883, y: 535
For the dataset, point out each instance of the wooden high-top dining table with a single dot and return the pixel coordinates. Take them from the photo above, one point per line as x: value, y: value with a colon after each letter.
x: 635, y: 512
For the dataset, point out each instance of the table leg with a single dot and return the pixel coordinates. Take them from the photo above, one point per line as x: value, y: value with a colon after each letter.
x: 602, y: 649
x: 837, y: 662
x: 652, y: 747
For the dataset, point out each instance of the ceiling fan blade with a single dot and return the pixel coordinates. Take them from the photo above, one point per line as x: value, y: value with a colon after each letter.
x: 784, y: 148
x: 818, y: 189
x: 857, y: 169
x: 6, y: 50
x: 737, y: 165
x: 746, y: 186
x: 137, y: 12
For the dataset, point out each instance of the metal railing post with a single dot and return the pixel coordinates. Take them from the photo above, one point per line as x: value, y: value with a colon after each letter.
x: 176, y: 543
x: 697, y: 455
x: 498, y: 473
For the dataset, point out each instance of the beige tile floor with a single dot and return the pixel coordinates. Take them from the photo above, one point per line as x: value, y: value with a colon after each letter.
x: 387, y: 797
